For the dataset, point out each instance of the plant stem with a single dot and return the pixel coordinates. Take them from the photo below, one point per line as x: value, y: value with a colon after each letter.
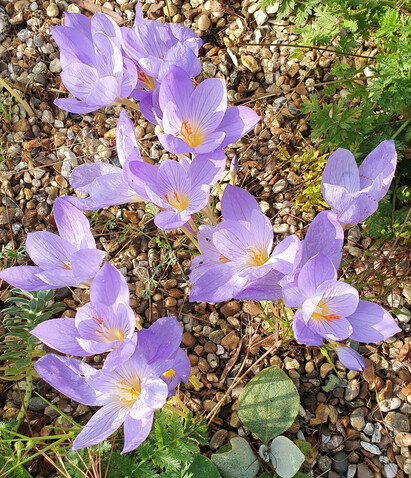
x: 130, y: 104
x: 167, y: 406
x: 27, y: 393
x: 192, y: 239
x: 404, y: 125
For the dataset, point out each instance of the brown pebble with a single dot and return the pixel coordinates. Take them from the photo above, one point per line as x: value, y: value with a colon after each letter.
x: 199, y: 350
x: 193, y: 359
x: 203, y: 365
x: 325, y: 369
x: 231, y: 308
x: 210, y: 347
x: 385, y: 392
x: 188, y: 340
x: 230, y: 341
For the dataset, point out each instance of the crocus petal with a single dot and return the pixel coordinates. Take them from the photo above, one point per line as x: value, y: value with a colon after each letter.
x: 218, y: 284
x: 303, y: 333
x: 24, y: 278
x: 130, y: 78
x: 86, y: 263
x: 121, y: 353
x: 206, y: 168
x: 74, y: 106
x: 126, y: 141
x: 292, y: 295
x: 238, y: 204
x: 382, y: 160
x: 237, y: 122
x: 109, y: 287
x: 336, y: 329
x: 83, y: 176
x: 60, y: 335
x: 104, y: 91
x: 103, y: 23
x: 174, y: 145
x: 183, y: 56
x: 350, y: 358
x: 324, y: 235
x: 169, y: 220
x: 265, y: 288
x: 101, y: 425
x: 136, y: 431
x: 48, y: 250
x: 78, y: 79
x: 341, y: 170
x: 177, y: 88
x: 361, y: 207
x: 137, y: 174
x: 286, y: 254
x: 78, y: 21
x: 68, y: 376
x: 73, y: 225
x: 316, y: 270
x: 340, y: 297
x: 371, y: 323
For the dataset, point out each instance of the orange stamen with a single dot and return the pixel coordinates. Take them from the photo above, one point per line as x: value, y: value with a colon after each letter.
x: 67, y: 267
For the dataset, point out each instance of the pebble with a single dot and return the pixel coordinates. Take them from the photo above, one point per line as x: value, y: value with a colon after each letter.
x: 352, y: 391
x: 403, y: 439
x: 405, y: 316
x: 291, y: 364
x: 4, y: 25
x: 250, y: 63
x: 218, y: 439
x: 390, y: 470
x: 364, y: 472
x: 188, y: 339
x: 357, y: 419
x: 281, y: 228
x: 370, y: 448
x: 37, y: 404
x: 351, y: 471
x: 55, y: 66
x: 394, y: 300
x: 280, y: 186
x: 340, y: 462
x: 52, y: 10
x: 203, y: 22
x: 231, y: 308
x: 260, y: 17
x: 368, y: 429
x: 398, y: 422
x: 377, y: 435
x: 390, y: 404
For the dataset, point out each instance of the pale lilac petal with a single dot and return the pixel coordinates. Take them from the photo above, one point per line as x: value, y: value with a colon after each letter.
x: 183, y: 56
x: 381, y: 161
x: 57, y: 278
x: 130, y: 78
x: 237, y: 122
x: 109, y: 287
x: 265, y: 288
x: 137, y: 174
x: 207, y: 105
x: 286, y: 255
x: 211, y: 143
x: 350, y: 358
x: 69, y: 376
x: 316, y: 271
x: 74, y: 106
x: 75, y: 43
x: 86, y: 263
x: 206, y: 168
x: 341, y: 170
x: 199, y: 199
x: 171, y: 177
x: 324, y: 235
x: 361, y: 207
x: 73, y: 225
x: 218, y: 284
x: 78, y: 21
x: 49, y: 250
x: 126, y: 141
x: 335, y: 329
x: 232, y: 240
x: 371, y: 323
x: 177, y: 88
x: 121, y: 353
x: 174, y: 145
x: 101, y: 425
x: 169, y: 220
x: 292, y: 295
x: 181, y: 367
x: 238, y: 204
x: 149, y: 105
x: 153, y: 395
x: 104, y: 91
x: 83, y: 176
x: 136, y: 431
x: 78, y: 79
x: 340, y: 297
x: 60, y: 335
x: 24, y: 278
x: 303, y: 333
x: 103, y: 23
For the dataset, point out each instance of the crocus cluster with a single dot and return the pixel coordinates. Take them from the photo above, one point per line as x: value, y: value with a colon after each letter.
x: 239, y: 257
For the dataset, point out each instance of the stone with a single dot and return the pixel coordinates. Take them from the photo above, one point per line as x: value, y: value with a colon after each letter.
x: 188, y: 339
x: 397, y: 421
x: 352, y: 391
x: 280, y: 186
x: 55, y: 66
x: 203, y: 22
x: 386, y: 392
x: 357, y: 419
x: 4, y: 25
x: 377, y: 435
x: 390, y: 470
x: 370, y: 448
x: 291, y: 364
x: 404, y: 316
x: 231, y: 308
x: 52, y: 10
x: 21, y: 126
x: 218, y: 439
x: 250, y: 63
x: 324, y: 463
x: 230, y: 341
x: 340, y: 462
x: 37, y: 404
x: 364, y: 472
x: 260, y: 17
x: 390, y: 404
x: 351, y: 471
x: 403, y: 439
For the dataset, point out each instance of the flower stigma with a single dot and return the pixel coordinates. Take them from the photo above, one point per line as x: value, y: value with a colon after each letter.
x: 321, y: 313
x: 179, y: 201
x: 192, y: 136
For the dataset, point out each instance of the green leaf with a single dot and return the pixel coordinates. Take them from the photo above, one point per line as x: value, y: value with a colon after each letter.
x: 269, y: 404
x: 286, y: 457
x: 202, y: 467
x: 239, y: 462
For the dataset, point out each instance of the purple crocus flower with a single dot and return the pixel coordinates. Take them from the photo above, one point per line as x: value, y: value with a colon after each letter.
x: 155, y: 47
x: 352, y: 192
x: 129, y: 393
x: 349, y: 357
x: 105, y: 323
x: 180, y: 188
x: 198, y: 120
x: 94, y: 69
x: 104, y: 182
x: 66, y: 260
x: 239, y: 250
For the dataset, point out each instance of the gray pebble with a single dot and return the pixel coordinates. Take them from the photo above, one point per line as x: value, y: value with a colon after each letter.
x: 370, y: 448
x: 340, y: 462
x: 36, y: 404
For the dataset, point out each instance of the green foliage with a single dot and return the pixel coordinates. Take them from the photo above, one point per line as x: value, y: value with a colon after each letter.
x: 269, y: 404
x: 239, y: 462
x: 10, y: 254
x: 168, y: 451
x: 10, y: 456
x: 285, y: 457
x: 29, y: 310
x: 202, y: 467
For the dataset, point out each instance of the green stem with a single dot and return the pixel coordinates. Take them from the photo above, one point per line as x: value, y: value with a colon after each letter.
x: 192, y: 239
x: 27, y: 393
x: 404, y: 125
